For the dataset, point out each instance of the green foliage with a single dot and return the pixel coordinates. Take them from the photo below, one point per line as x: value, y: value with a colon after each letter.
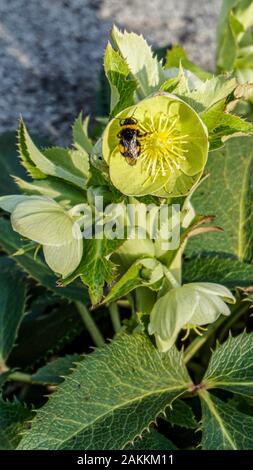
x: 54, y: 372
x: 95, y: 268
x: 181, y: 414
x: 177, y: 56
x: 223, y: 427
x: 70, y: 165
x: 13, y: 420
x: 229, y: 197
x: 152, y: 440
x: 218, y: 268
x: 235, y: 39
x: 116, y: 384
x: 142, y: 63
x: 230, y: 367
x: 13, y: 294
x: 122, y: 88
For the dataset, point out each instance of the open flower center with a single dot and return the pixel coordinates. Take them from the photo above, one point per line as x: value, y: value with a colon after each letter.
x: 198, y: 329
x: 163, y: 146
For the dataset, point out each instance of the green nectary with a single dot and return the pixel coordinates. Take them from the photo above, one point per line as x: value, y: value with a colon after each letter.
x: 173, y: 148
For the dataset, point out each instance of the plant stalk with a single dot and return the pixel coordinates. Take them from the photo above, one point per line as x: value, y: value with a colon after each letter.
x: 115, y: 316
x: 91, y: 326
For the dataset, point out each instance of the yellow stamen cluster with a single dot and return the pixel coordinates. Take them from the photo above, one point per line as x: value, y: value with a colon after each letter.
x: 198, y: 329
x: 162, y: 145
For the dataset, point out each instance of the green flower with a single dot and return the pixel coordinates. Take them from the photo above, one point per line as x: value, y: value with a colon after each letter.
x: 171, y: 147
x: 189, y: 306
x: 46, y: 222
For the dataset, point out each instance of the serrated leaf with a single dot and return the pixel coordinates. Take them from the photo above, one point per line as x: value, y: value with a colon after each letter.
x: 177, y: 56
x: 152, y: 440
x: 54, y: 372
x: 80, y: 134
x: 46, y: 334
x: 70, y: 165
x: 66, y: 194
x: 25, y: 158
x: 181, y: 414
x: 223, y: 427
x: 127, y: 382
x: 9, y: 163
x: 209, y: 93
x: 140, y: 59
x: 220, y: 269
x: 222, y: 125
x: 228, y: 196
x: 122, y: 87
x: 13, y: 293
x: 231, y: 367
x: 34, y: 267
x: 146, y: 271
x: 13, y: 418
x: 95, y: 268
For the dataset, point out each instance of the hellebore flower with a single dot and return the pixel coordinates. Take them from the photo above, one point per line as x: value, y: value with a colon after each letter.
x: 170, y: 146
x: 46, y: 222
x: 189, y: 307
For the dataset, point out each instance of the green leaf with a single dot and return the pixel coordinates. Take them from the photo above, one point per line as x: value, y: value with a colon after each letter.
x: 223, y: 427
x: 231, y: 367
x: 54, y: 372
x: 62, y: 192
x: 227, y: 44
x: 122, y: 88
x: 42, y: 336
x: 13, y: 419
x: 80, y: 134
x: 181, y: 415
x: 152, y: 440
x: 126, y: 382
x: 95, y: 268
x: 228, y: 193
x: 220, y: 269
x: 209, y: 93
x: 12, y: 306
x: 70, y: 165
x: 221, y: 126
x: 143, y: 65
x: 9, y: 163
x: 25, y: 158
x: 146, y: 271
x: 177, y: 56
x: 34, y: 267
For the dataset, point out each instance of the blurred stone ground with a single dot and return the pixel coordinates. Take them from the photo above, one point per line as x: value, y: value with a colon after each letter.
x: 51, y: 51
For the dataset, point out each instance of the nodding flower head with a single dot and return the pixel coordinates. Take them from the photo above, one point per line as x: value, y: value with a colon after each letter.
x: 159, y: 146
x: 188, y: 307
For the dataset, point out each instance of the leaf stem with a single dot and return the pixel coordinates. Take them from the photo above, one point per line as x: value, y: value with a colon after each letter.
x: 20, y: 377
x: 90, y: 324
x: 115, y: 316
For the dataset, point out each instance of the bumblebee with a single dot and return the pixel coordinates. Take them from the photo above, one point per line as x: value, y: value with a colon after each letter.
x: 129, y: 144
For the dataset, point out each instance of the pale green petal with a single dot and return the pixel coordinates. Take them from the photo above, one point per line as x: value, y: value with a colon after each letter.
x: 165, y: 345
x: 212, y: 288
x: 64, y: 259
x: 131, y: 180
x: 209, y: 309
x: 44, y: 221
x: 170, y: 313
x: 8, y: 203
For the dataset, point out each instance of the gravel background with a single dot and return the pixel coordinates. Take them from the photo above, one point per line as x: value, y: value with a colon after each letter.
x: 51, y: 51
